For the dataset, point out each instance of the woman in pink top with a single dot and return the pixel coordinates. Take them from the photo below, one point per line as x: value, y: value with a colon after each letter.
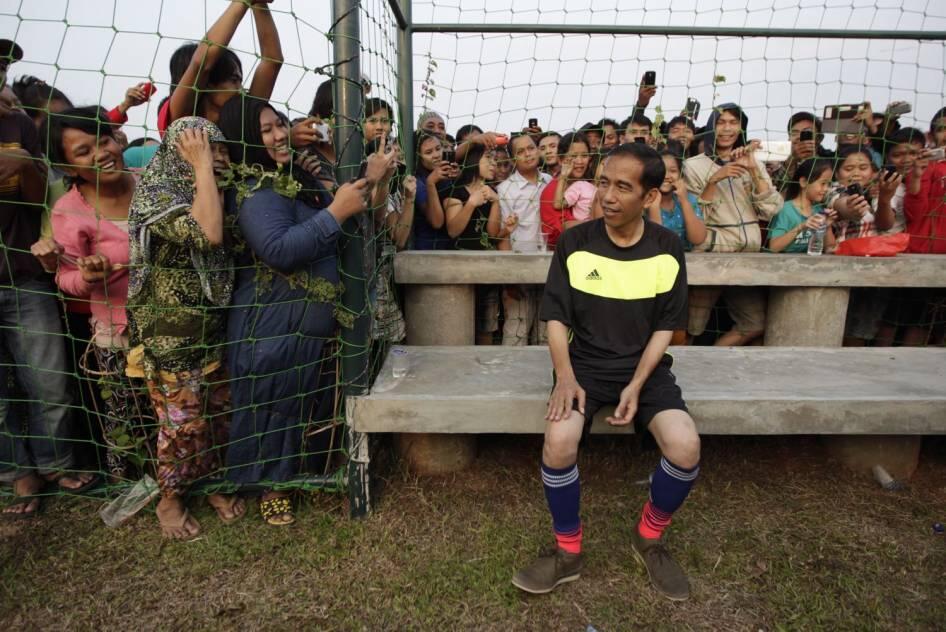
x: 90, y: 226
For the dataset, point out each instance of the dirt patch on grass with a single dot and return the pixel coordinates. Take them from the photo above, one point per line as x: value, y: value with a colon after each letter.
x: 773, y: 536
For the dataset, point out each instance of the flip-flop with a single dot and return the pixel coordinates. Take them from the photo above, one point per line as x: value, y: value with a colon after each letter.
x: 228, y: 506
x: 185, y: 516
x: 23, y: 500
x: 280, y: 506
x: 94, y: 482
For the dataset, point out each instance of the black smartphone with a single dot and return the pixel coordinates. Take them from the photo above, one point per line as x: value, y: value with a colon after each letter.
x: 650, y: 78
x: 692, y: 108
x: 449, y: 155
x: 806, y: 134
x: 856, y: 189
x: 891, y: 170
x: 640, y: 139
x: 533, y: 123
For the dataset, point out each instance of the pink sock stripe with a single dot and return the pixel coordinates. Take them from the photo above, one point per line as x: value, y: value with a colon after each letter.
x: 653, y: 522
x: 570, y: 542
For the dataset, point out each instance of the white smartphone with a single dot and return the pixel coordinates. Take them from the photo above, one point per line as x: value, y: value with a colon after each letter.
x: 322, y: 130
x: 938, y: 153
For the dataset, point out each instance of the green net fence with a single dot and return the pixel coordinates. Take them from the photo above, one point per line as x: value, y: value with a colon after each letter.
x: 567, y: 66
x: 213, y: 349
x: 200, y: 319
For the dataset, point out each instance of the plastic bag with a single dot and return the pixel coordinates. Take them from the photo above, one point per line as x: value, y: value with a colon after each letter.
x: 876, y: 246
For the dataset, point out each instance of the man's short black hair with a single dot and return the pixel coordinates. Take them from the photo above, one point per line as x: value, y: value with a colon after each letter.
x: 653, y: 171
x: 516, y: 136
x: 798, y: 117
x: 637, y: 118
x: 547, y: 134
x: 467, y: 130
x: 605, y: 122
x: 908, y: 135
x: 680, y: 120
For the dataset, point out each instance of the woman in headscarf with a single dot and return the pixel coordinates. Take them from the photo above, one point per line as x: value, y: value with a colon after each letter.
x: 180, y: 283
x: 284, y: 299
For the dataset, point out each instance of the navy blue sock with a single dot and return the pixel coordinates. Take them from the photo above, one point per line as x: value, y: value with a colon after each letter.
x: 563, y: 494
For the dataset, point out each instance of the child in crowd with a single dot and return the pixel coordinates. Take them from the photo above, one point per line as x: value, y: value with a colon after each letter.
x: 574, y: 188
x: 215, y: 74
x: 909, y: 308
x: 677, y: 208
x: 804, y: 209
x: 555, y: 219
x: 862, y: 199
x: 434, y: 176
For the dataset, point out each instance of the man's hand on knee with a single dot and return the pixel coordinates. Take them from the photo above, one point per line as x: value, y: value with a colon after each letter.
x: 566, y: 391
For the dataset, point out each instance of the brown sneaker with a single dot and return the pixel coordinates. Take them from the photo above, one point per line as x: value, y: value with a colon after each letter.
x: 555, y: 566
x: 665, y: 574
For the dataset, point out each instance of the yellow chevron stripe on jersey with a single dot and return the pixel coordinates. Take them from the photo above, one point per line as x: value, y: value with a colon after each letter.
x: 622, y: 280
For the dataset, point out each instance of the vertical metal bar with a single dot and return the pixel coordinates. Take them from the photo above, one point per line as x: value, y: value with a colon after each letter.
x: 405, y: 84
x: 349, y: 148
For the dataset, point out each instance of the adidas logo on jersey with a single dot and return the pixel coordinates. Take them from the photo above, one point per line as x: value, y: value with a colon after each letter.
x: 594, y: 276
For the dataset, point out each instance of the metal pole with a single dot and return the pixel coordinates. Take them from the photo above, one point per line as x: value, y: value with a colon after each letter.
x: 405, y: 84
x: 349, y: 148
x: 688, y: 31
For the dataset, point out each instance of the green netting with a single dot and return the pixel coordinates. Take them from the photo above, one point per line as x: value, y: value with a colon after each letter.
x: 232, y: 367
x: 314, y: 327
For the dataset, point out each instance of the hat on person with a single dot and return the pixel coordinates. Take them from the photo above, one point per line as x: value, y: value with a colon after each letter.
x: 10, y: 50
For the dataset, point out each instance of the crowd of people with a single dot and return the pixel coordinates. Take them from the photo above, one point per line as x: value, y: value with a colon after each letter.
x: 201, y: 267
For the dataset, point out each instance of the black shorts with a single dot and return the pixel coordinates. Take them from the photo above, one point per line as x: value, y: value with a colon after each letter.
x: 660, y: 393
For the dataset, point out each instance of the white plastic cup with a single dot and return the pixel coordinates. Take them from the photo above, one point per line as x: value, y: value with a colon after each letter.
x: 400, y: 362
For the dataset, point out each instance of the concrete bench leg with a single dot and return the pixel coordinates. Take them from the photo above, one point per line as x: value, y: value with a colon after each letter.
x: 899, y: 455
x: 441, y: 315
x: 815, y: 317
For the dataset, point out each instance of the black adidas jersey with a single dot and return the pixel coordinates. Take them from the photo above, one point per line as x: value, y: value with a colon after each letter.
x: 614, y: 298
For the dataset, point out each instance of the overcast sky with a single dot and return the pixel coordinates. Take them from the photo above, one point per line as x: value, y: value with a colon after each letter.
x: 93, y: 49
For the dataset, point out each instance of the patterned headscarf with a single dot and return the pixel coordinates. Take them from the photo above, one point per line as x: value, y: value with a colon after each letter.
x: 165, y: 188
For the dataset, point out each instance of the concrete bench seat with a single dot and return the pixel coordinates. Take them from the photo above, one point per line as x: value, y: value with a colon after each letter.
x: 730, y: 391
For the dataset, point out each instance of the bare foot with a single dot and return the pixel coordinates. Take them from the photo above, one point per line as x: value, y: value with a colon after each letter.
x: 176, y: 522
x: 71, y: 482
x: 229, y: 507
x: 26, y: 486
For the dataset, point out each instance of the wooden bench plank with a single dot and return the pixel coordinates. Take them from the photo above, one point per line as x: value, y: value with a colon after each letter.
x: 744, y: 269
x: 745, y: 391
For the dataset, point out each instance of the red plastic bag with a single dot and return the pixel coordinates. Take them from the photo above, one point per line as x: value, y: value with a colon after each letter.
x: 877, y: 246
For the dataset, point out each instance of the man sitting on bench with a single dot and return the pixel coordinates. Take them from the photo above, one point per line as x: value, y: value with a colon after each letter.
x: 616, y: 291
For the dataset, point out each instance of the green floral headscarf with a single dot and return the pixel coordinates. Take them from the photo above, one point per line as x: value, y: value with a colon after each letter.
x: 165, y: 188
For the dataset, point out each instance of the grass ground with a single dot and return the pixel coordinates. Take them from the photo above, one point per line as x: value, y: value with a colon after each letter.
x: 774, y: 537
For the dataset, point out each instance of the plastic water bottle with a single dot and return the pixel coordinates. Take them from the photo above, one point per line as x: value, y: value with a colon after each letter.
x: 133, y: 500
x: 816, y: 241
x: 400, y: 362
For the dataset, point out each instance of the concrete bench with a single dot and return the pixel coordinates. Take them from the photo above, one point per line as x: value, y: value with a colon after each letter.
x: 730, y: 391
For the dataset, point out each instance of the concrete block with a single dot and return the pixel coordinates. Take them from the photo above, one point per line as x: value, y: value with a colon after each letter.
x: 899, y: 455
x: 806, y: 316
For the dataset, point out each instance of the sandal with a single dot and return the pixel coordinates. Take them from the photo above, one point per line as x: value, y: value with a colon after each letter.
x: 90, y: 484
x: 226, y: 505
x: 178, y: 525
x: 275, y: 507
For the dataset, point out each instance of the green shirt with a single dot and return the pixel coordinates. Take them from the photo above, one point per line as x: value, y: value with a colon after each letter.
x: 787, y: 219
